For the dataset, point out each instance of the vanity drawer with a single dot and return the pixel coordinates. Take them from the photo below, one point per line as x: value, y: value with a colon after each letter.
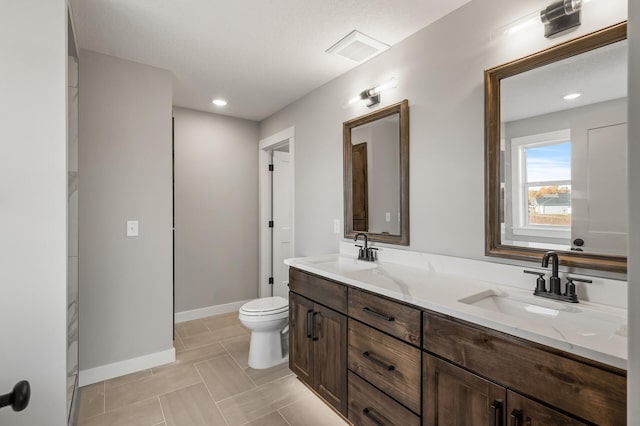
x: 587, y: 389
x: 394, y: 318
x: 325, y: 292
x: 386, y: 362
x: 367, y: 405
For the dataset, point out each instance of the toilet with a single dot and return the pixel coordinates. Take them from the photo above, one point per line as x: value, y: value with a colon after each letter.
x: 268, y: 320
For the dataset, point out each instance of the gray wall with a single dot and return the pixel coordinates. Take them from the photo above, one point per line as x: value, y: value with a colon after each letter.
x: 440, y: 71
x: 634, y: 213
x: 125, y: 163
x: 216, y: 205
x: 33, y: 208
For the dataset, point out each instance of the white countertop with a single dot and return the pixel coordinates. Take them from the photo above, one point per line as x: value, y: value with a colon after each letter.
x: 587, y: 329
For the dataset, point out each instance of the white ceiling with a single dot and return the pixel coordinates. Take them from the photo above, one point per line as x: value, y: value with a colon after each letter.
x: 599, y: 75
x: 259, y: 55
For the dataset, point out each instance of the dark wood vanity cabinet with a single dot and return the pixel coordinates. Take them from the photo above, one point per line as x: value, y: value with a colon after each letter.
x: 455, y: 396
x: 522, y: 411
x: 318, y: 346
x: 565, y: 389
x: 384, y: 362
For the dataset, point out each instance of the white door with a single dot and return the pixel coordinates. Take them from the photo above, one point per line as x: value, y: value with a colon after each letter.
x: 33, y: 209
x: 282, y: 222
x: 599, y: 216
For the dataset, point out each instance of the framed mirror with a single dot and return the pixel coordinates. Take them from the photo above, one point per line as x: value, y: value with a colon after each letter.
x: 376, y: 175
x: 556, y: 153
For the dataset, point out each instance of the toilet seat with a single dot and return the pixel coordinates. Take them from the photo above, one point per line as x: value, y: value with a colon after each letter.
x: 265, y: 306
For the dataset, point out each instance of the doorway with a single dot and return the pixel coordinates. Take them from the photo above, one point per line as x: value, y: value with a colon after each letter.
x: 276, y: 158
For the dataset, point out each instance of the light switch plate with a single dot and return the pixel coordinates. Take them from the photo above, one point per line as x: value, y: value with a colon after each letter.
x: 388, y: 217
x: 336, y: 226
x: 132, y: 228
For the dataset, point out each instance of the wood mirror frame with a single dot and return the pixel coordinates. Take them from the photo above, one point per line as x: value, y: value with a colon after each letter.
x: 492, y: 78
x: 401, y: 108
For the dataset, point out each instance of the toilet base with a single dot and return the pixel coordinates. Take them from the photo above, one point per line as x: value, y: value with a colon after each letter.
x: 265, y: 349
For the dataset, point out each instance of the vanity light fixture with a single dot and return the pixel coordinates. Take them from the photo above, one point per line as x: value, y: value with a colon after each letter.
x: 557, y: 18
x: 571, y: 96
x: 560, y: 16
x: 523, y: 23
x: 219, y: 102
x: 372, y: 95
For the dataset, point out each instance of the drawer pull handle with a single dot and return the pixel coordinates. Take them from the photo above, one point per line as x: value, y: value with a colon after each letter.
x: 378, y: 314
x: 515, y: 417
x: 375, y: 421
x: 495, y: 413
x: 308, y: 324
x: 379, y: 363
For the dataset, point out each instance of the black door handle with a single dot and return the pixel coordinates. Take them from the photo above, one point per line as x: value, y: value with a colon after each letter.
x: 495, y: 413
x: 18, y: 398
x: 313, y: 326
x: 578, y: 242
x: 308, y: 324
x: 515, y: 417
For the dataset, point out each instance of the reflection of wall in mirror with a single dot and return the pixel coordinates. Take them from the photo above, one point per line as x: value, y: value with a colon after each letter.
x: 598, y: 175
x: 383, y: 169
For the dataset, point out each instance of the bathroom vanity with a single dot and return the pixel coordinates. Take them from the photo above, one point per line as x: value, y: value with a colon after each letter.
x: 391, y: 344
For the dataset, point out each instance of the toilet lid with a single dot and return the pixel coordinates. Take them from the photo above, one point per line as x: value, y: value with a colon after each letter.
x: 266, y: 306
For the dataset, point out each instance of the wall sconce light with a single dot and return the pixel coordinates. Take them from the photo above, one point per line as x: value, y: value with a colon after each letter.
x: 372, y: 95
x: 560, y: 16
x: 557, y: 18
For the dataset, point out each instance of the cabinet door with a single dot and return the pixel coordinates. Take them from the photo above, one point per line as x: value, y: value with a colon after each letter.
x: 300, y: 339
x: 330, y: 352
x: 454, y: 396
x: 522, y: 411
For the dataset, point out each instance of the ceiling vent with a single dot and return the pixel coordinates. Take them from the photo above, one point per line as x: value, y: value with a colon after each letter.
x: 357, y: 47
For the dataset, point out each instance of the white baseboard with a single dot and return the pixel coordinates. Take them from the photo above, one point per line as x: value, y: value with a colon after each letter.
x: 117, y: 369
x: 209, y: 311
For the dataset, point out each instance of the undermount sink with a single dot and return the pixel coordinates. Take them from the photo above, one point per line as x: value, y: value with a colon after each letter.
x: 342, y: 264
x: 568, y: 319
x: 520, y: 306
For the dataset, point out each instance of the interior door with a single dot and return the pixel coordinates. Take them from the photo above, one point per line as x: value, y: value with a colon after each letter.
x: 599, y: 216
x: 282, y: 222
x: 360, y: 178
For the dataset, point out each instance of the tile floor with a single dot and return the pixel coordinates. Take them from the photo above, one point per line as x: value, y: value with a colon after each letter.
x: 210, y: 383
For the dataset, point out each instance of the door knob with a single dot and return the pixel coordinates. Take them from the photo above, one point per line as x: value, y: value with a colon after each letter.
x: 18, y: 398
x: 578, y: 242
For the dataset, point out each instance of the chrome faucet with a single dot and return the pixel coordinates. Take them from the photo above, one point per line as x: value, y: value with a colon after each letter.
x: 365, y: 253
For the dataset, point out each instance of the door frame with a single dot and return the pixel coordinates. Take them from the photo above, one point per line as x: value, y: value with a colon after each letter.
x: 266, y: 145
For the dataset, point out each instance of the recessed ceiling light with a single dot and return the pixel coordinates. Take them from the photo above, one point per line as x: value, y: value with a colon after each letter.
x: 219, y: 102
x: 572, y: 96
